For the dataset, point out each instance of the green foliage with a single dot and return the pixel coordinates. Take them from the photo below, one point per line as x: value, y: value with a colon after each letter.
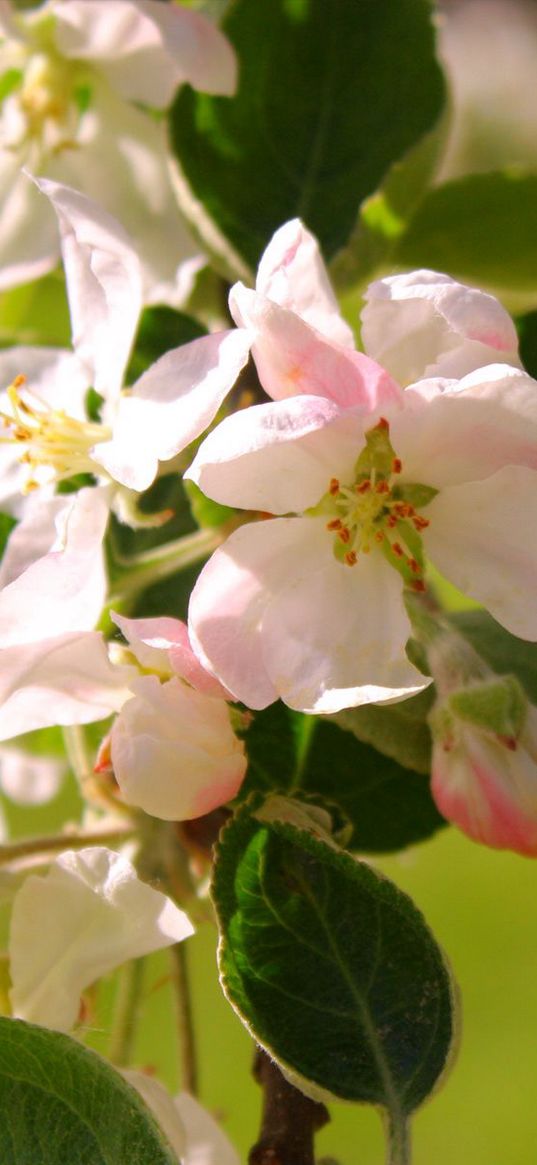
x: 388, y: 806
x: 7, y: 524
x: 62, y: 1105
x: 330, y: 966
x: 331, y: 93
x: 36, y: 313
x: 481, y: 228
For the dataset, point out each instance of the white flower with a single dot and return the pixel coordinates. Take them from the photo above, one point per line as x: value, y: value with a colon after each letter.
x: 28, y: 778
x: 80, y: 70
x: 86, y: 916
x: 381, y: 479
x: 53, y: 668
x: 43, y: 412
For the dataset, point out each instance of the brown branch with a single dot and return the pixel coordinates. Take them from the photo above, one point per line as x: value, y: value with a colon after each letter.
x: 289, y: 1119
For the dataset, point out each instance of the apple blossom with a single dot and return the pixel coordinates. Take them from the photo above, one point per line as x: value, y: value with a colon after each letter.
x: 45, y: 425
x: 485, y: 781
x: 53, y: 668
x: 88, y: 914
x: 78, y: 73
x: 30, y: 778
x: 172, y: 747
x: 380, y: 479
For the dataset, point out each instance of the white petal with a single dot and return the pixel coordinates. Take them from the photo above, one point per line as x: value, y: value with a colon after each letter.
x: 206, y: 1143
x: 87, y: 915
x: 62, y: 588
x: 171, y: 404
x: 103, y: 283
x: 464, y: 430
x: 162, y: 645
x: 292, y: 357
x: 274, y: 614
x: 292, y: 273
x: 118, y: 138
x: 173, y: 750
x: 279, y: 457
x: 482, y: 538
x: 66, y: 680
x: 29, y: 779
x: 146, y: 52
x: 29, y: 238
x: 426, y: 324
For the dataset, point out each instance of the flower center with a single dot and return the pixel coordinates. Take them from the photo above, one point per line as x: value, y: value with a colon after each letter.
x: 44, y: 104
x: 49, y: 439
x: 379, y: 511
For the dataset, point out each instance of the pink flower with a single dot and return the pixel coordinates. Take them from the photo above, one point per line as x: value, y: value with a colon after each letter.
x: 363, y: 483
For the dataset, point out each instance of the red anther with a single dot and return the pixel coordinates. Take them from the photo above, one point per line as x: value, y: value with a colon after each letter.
x: 397, y: 549
x: 333, y: 488
x: 19, y: 381
x: 382, y: 423
x: 334, y: 524
x: 509, y: 742
x: 391, y: 521
x: 402, y: 509
x: 397, y: 465
x: 344, y: 534
x: 379, y: 536
x: 421, y: 523
x: 364, y: 486
x: 418, y: 584
x: 382, y: 487
x: 351, y: 558
x: 414, y: 566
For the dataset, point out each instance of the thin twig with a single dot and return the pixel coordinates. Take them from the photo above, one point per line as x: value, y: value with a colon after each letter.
x: 185, y: 1019
x: 289, y: 1119
x: 127, y: 1013
x: 56, y: 843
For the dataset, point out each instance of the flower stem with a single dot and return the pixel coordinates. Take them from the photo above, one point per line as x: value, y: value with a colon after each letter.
x: 153, y: 566
x: 33, y: 846
x: 185, y: 1019
x: 127, y: 1013
x: 289, y: 1122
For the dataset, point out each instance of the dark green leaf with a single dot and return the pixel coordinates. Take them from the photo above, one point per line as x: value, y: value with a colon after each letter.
x: 330, y: 966
x: 61, y: 1104
x: 482, y: 228
x: 331, y: 93
x: 389, y: 806
x: 527, y: 332
x: 503, y: 652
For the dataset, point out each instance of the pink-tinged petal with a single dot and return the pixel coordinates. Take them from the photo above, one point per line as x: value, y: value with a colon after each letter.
x: 171, y: 404
x: 274, y: 614
x: 164, y: 1109
x: 279, y: 457
x: 104, y: 284
x: 58, y: 583
x: 87, y: 915
x: 292, y: 274
x: 452, y: 432
x: 426, y: 324
x: 174, y: 752
x: 292, y: 357
x: 145, y: 51
x: 29, y: 239
x: 482, y: 538
x: 162, y: 645
x: 489, y: 791
x: 65, y: 680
